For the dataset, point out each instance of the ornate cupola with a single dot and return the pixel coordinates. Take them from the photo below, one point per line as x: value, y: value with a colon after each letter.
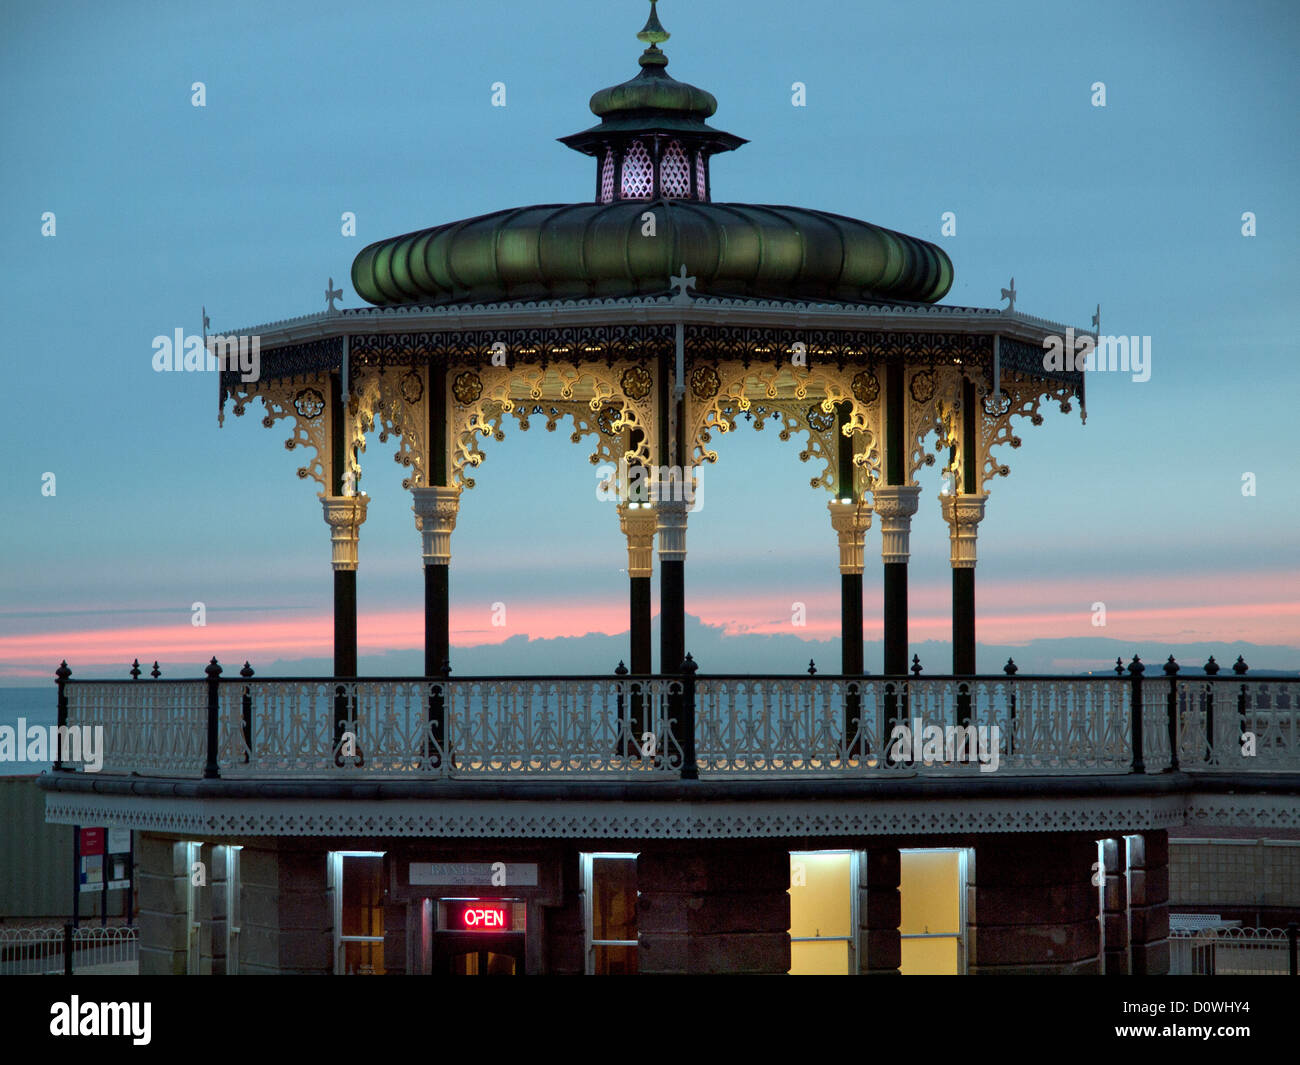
x: 652, y: 141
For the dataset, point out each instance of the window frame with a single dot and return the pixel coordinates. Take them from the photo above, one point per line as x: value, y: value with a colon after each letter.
x: 587, y: 867
x: 336, y: 891
x: 856, y: 858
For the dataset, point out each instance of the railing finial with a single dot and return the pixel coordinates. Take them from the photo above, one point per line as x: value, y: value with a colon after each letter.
x: 1010, y: 669
x: 1239, y: 667
x: 1136, y: 666
x: 155, y: 672
x: 135, y: 669
x: 1171, y: 667
x: 63, y: 672
x: 247, y: 671
x: 620, y: 670
x: 916, y: 665
x: 1119, y: 666
x: 213, y: 669
x: 812, y: 668
x: 689, y: 665
x: 1211, y: 667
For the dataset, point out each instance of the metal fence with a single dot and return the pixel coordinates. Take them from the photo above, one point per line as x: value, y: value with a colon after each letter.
x: 687, y: 725
x: 65, y: 950
x: 1230, y: 952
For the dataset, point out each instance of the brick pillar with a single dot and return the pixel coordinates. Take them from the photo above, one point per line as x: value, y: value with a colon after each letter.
x: 880, y: 911
x: 1114, y: 907
x: 219, y: 883
x: 563, y: 931
x: 287, y: 910
x: 1148, y: 902
x: 719, y: 907
x: 1032, y: 907
x: 162, y: 879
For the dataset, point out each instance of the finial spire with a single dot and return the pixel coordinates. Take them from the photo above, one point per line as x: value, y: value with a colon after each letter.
x: 654, y: 34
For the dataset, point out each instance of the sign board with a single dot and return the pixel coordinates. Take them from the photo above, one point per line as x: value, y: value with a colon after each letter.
x: 92, y: 841
x: 474, y: 874
x: 119, y: 840
x: 92, y: 872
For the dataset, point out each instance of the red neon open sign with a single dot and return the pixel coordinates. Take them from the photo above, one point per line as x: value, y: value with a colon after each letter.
x: 479, y: 918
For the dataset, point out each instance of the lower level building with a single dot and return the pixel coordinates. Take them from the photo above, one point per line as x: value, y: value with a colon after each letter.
x: 1057, y: 903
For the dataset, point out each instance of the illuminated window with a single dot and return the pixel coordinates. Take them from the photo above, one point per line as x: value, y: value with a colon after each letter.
x: 607, y: 177
x: 674, y: 172
x: 193, y: 921
x: 700, y: 190
x: 609, y: 911
x: 823, y: 908
x: 357, y: 883
x: 638, y: 173
x: 933, y: 925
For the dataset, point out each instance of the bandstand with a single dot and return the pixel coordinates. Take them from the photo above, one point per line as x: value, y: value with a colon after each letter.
x: 650, y: 321
x: 653, y: 820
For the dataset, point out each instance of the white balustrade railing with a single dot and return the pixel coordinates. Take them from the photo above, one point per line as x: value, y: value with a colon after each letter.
x: 1229, y: 952
x: 420, y: 728
x: 471, y: 728
x: 42, y: 951
x: 801, y: 725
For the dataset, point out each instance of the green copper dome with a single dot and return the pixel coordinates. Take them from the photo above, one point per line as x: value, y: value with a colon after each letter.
x: 590, y: 249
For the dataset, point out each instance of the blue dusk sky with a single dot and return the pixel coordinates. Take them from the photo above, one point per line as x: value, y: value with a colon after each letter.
x: 314, y: 109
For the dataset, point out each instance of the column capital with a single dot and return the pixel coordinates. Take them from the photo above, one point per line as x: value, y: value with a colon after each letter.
x: 639, y: 522
x: 850, y: 521
x: 963, y: 513
x: 344, y: 515
x: 435, y: 511
x: 672, y: 530
x: 896, y: 503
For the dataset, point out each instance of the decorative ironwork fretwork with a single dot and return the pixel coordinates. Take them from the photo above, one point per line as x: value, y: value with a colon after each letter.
x: 303, y: 403
x: 589, y: 394
x: 933, y: 404
x: 476, y: 348
x: 394, y: 400
x: 803, y: 400
x: 1021, y: 396
x: 841, y: 347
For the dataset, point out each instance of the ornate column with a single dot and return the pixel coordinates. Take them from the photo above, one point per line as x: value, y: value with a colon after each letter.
x: 850, y: 521
x: 435, y: 511
x: 895, y: 504
x: 672, y: 584
x: 639, y: 522
x: 963, y: 513
x: 344, y: 515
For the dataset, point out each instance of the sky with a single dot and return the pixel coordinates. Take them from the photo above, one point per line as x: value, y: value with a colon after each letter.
x: 986, y: 110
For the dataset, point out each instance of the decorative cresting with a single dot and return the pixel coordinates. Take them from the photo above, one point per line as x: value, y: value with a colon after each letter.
x: 850, y: 521
x: 963, y: 513
x: 344, y: 515
x: 639, y: 522
x: 604, y: 402
x: 435, y: 512
x: 803, y: 400
x: 896, y: 504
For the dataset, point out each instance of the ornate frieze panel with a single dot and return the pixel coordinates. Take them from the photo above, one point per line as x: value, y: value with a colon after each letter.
x: 608, y: 344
